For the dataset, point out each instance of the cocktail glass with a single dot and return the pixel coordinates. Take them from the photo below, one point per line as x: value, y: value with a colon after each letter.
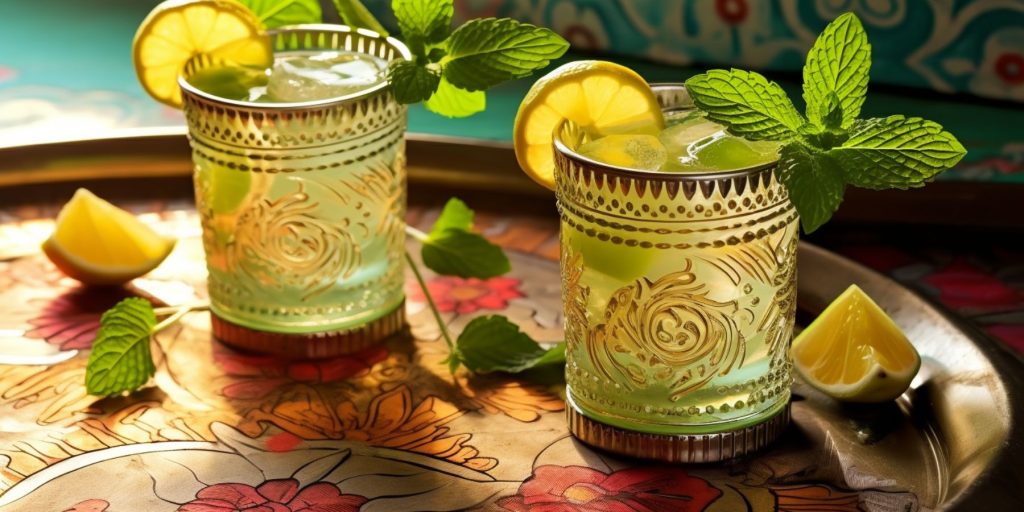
x: 302, y: 206
x: 679, y: 295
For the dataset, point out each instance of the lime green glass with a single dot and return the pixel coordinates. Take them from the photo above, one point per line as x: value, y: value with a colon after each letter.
x: 679, y: 300
x: 302, y: 207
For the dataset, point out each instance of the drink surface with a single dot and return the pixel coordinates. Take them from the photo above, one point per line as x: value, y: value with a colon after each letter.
x: 689, y: 143
x: 296, y: 76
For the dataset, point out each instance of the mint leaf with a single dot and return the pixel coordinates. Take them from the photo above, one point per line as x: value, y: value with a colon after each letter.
x: 455, y: 215
x: 485, y: 52
x: 412, y: 83
x: 896, y: 152
x: 456, y: 252
x: 838, y: 63
x: 276, y: 13
x: 426, y: 21
x: 831, y: 112
x: 747, y: 103
x: 120, y: 359
x: 354, y: 14
x: 814, y: 181
x: 450, y: 101
x: 494, y: 344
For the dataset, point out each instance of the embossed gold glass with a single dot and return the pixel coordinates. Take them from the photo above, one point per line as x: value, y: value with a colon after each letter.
x: 679, y: 294
x: 302, y: 207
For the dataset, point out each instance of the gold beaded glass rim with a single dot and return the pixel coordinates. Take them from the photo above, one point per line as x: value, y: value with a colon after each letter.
x: 672, y: 97
x: 320, y: 36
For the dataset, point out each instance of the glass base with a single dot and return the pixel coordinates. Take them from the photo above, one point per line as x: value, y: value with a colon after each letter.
x: 678, y: 448
x: 315, y: 345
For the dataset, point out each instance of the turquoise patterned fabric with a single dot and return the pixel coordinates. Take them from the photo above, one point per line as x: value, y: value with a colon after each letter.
x: 946, y: 45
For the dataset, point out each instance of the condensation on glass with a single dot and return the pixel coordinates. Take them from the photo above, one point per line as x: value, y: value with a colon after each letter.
x: 679, y: 297
x: 302, y: 207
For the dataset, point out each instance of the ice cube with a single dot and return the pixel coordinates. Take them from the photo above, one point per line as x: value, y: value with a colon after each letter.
x: 723, y: 152
x: 687, y: 130
x: 643, y: 152
x: 324, y: 75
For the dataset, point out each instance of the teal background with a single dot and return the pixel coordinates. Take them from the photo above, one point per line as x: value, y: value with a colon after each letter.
x: 66, y: 71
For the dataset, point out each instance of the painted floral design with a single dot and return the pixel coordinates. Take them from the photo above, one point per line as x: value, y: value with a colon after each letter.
x: 581, y: 489
x: 283, y: 495
x: 815, y: 498
x: 256, y: 376
x: 464, y: 296
x: 581, y: 26
x: 93, y: 505
x: 71, y: 319
x: 963, y: 286
x: 521, y: 401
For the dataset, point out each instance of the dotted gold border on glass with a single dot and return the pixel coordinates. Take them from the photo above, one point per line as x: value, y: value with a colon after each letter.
x: 312, y: 345
x: 681, y: 448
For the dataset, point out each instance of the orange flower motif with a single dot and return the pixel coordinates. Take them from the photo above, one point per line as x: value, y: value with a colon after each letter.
x: 392, y: 420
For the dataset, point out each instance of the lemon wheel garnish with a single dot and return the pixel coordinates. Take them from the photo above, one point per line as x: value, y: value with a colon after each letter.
x: 176, y: 31
x: 96, y: 242
x: 854, y: 352
x: 601, y: 97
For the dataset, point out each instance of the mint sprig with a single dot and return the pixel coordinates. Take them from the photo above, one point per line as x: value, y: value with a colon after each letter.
x: 831, y: 148
x: 120, y: 359
x: 452, y: 249
x: 277, y: 13
x: 493, y: 344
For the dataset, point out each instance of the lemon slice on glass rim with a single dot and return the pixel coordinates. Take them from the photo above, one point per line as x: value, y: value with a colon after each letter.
x: 854, y: 352
x: 176, y: 31
x: 599, y: 96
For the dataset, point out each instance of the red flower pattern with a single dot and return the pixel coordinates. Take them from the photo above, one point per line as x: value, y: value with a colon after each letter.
x: 466, y: 296
x: 582, y: 489
x: 1010, y: 68
x: 281, y: 495
x: 965, y: 287
x: 259, y: 375
x: 71, y: 320
x: 732, y: 12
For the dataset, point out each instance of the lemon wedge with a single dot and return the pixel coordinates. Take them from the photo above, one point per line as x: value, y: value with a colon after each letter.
x: 96, y: 242
x: 601, y: 97
x: 176, y: 31
x: 854, y: 352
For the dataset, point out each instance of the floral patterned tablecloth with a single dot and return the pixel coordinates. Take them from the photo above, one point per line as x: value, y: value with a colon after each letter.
x: 384, y: 429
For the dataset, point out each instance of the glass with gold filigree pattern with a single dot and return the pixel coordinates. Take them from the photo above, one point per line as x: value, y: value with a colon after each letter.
x: 301, y: 188
x: 679, y: 293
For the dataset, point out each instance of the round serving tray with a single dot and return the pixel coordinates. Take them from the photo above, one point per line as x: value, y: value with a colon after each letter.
x: 389, y: 428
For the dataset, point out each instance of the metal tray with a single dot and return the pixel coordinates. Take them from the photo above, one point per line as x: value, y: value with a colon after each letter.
x: 953, y: 442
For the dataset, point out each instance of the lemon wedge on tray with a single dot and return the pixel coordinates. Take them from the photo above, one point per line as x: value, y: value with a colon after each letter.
x: 601, y: 97
x: 96, y: 242
x: 176, y: 31
x: 854, y: 352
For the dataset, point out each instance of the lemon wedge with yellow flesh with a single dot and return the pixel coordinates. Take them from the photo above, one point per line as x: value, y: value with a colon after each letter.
x: 176, y: 31
x: 854, y: 352
x: 601, y: 97
x: 96, y: 242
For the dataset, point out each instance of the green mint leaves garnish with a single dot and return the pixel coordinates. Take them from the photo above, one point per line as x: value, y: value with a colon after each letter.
x: 452, y: 249
x: 746, y: 102
x: 486, y: 52
x: 354, y: 14
x: 493, y: 344
x: 276, y: 13
x: 831, y: 148
x: 476, y: 56
x: 120, y: 359
x: 838, y: 64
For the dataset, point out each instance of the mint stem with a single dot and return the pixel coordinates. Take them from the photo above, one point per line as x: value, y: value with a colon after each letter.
x: 179, y: 312
x: 170, y: 310
x: 430, y: 300
x: 415, y: 233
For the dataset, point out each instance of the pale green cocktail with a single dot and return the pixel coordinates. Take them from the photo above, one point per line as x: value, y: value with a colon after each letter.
x: 678, y: 267
x: 300, y: 185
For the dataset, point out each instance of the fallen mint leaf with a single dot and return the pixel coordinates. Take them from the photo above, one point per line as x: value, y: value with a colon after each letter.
x: 120, y: 359
x: 455, y: 215
x: 456, y: 252
x: 494, y: 344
